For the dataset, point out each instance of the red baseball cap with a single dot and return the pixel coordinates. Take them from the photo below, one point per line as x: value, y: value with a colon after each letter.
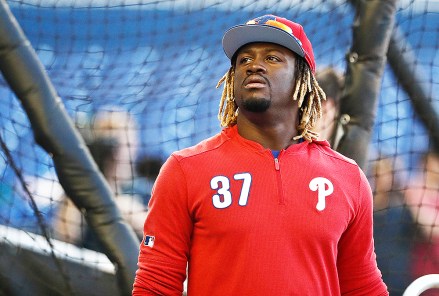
x: 273, y: 29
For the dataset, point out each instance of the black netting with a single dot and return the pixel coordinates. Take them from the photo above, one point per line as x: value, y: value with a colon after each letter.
x: 138, y: 80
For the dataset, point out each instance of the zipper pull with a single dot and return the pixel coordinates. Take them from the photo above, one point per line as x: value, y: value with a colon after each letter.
x: 276, y: 164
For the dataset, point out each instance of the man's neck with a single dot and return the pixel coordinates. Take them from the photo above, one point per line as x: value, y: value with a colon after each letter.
x: 274, y: 137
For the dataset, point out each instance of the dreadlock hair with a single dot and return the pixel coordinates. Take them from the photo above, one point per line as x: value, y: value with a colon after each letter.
x: 307, y: 93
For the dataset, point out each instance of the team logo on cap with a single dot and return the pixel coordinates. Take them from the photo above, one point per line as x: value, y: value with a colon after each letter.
x: 270, y: 21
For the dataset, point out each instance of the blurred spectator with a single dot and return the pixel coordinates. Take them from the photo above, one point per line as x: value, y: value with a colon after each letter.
x: 422, y: 196
x: 117, y: 127
x: 112, y: 144
x: 147, y: 169
x: 332, y: 83
x: 393, y: 226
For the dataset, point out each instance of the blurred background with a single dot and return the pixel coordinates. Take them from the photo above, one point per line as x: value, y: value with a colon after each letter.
x: 137, y: 79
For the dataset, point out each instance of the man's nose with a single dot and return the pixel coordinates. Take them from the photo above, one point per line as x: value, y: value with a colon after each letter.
x: 257, y: 66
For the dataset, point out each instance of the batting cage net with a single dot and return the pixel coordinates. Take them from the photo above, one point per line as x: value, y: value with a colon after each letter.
x: 137, y: 79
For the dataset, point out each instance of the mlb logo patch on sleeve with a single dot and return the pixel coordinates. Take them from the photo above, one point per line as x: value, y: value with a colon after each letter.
x: 149, y: 241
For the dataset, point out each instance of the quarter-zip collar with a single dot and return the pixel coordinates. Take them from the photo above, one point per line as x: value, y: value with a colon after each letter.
x: 232, y: 132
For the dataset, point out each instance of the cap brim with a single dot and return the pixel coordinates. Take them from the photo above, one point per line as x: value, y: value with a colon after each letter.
x: 240, y: 35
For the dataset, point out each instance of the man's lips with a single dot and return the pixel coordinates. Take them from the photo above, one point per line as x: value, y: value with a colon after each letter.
x: 255, y: 82
x: 254, y: 85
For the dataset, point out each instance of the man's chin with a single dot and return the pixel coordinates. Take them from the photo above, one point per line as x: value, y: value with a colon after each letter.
x: 256, y: 105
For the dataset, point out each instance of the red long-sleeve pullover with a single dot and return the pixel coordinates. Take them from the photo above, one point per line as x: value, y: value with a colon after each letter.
x: 247, y: 223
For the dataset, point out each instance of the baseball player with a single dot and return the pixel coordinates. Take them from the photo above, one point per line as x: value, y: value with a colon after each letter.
x: 263, y: 207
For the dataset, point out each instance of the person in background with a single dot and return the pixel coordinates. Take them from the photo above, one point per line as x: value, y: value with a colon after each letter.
x: 261, y: 208
x: 331, y: 81
x: 394, y: 227
x: 422, y: 197
x: 111, y: 123
x: 112, y: 146
x: 147, y: 168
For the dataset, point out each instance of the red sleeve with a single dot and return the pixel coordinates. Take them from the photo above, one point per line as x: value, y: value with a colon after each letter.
x: 356, y: 261
x: 166, y: 236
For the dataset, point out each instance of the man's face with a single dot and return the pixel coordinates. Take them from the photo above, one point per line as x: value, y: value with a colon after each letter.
x: 264, y: 77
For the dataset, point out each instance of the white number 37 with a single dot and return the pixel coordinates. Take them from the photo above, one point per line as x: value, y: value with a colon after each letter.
x: 221, y: 184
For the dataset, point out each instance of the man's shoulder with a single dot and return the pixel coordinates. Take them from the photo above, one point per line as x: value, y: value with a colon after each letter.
x: 206, y: 145
x: 324, y: 147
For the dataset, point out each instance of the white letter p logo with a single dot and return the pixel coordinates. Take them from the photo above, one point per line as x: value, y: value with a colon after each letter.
x: 319, y: 184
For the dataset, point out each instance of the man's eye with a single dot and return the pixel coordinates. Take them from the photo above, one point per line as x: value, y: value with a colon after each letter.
x: 273, y: 58
x: 244, y: 60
